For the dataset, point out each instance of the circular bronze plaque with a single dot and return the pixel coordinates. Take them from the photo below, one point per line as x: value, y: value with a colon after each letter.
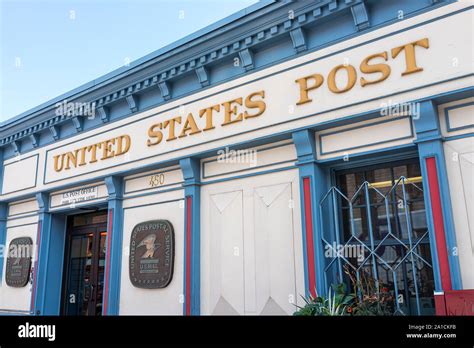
x: 151, y: 254
x: 19, y: 262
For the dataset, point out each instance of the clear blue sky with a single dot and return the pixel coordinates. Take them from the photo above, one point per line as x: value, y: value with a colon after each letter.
x: 48, y: 47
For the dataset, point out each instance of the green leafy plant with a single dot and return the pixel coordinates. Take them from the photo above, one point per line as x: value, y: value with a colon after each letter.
x: 337, y: 303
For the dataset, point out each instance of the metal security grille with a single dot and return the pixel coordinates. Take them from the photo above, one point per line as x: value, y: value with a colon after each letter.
x: 378, y: 229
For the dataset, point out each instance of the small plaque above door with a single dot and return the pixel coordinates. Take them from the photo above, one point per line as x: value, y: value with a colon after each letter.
x: 151, y: 254
x: 19, y: 262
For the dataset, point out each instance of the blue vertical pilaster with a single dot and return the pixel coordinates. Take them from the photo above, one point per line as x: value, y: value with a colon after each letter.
x: 113, y: 257
x: 430, y: 145
x: 40, y: 264
x: 192, y: 236
x: 313, y: 183
x: 3, y: 218
x: 3, y: 235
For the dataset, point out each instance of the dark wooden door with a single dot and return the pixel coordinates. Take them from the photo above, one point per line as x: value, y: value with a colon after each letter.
x: 84, y: 275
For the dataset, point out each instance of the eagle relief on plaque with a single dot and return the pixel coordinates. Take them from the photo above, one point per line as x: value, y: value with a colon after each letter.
x: 151, y: 254
x: 19, y: 262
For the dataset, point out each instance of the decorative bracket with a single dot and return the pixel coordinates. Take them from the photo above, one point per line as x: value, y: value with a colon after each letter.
x: 34, y: 140
x: 298, y: 39
x: 103, y: 113
x: 78, y: 123
x: 54, y: 132
x: 305, y: 145
x: 16, y: 147
x: 203, y: 76
x: 246, y: 57
x: 114, y: 186
x: 191, y: 171
x: 360, y: 15
x: 165, y: 90
x: 43, y: 201
x: 132, y: 102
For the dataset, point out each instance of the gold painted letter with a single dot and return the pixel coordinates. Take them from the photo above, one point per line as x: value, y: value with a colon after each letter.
x: 230, y: 110
x: 351, y: 78
x: 155, y: 132
x: 251, y: 104
x: 410, y: 59
x: 304, y: 88
x: 382, y: 68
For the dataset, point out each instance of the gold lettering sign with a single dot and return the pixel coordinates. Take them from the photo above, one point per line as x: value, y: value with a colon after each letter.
x: 92, y: 153
x: 312, y: 82
x: 229, y: 112
x: 224, y: 114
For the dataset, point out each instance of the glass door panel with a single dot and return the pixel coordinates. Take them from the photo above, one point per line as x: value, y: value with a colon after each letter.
x: 79, y: 282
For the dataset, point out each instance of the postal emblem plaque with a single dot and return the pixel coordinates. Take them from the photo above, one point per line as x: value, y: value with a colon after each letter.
x: 19, y: 262
x: 151, y: 254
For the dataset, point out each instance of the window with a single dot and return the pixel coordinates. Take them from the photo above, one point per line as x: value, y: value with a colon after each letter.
x: 376, y: 215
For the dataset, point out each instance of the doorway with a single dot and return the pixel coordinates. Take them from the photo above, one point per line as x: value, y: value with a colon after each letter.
x: 85, y: 264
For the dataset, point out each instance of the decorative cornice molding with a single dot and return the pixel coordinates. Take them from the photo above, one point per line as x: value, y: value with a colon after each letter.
x: 242, y: 45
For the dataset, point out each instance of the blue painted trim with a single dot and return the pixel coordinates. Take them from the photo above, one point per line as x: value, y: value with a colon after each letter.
x: 41, y: 271
x: 427, y: 128
x: 114, y: 187
x: 446, y: 116
x: 13, y: 162
x: 1, y: 169
x: 192, y: 188
x: 347, y: 37
x: 461, y: 136
x: 3, y: 234
x: 321, y: 153
x: 308, y: 168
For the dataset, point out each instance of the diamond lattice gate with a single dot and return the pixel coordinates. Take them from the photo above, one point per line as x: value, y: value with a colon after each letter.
x: 377, y: 242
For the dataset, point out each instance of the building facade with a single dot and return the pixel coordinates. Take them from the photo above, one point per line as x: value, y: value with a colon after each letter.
x: 288, y: 147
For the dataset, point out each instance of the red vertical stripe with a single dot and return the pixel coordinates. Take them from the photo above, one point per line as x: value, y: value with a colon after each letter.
x: 308, y: 213
x: 437, y: 213
x: 189, y: 206
x: 107, y: 266
x: 38, y: 242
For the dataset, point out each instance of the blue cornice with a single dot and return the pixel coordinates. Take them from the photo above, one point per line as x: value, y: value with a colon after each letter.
x: 241, y: 35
